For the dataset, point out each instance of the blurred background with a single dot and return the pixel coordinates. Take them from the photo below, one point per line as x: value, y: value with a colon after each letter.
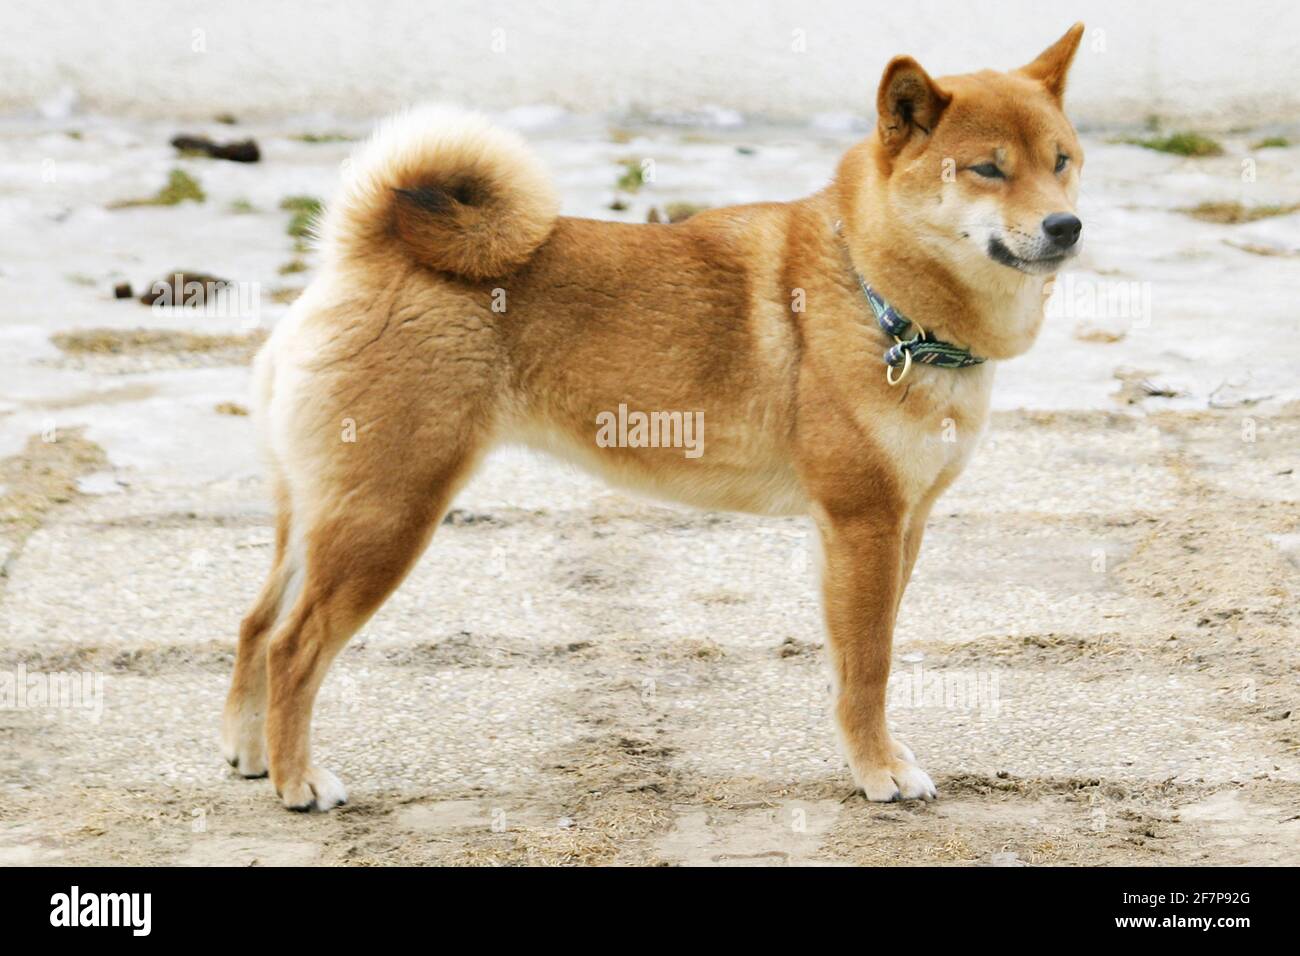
x: 1215, y: 63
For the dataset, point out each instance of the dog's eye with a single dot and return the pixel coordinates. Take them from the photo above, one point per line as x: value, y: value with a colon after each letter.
x: 988, y: 171
x: 1062, y: 161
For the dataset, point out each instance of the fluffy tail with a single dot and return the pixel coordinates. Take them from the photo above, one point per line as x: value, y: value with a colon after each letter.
x: 449, y: 189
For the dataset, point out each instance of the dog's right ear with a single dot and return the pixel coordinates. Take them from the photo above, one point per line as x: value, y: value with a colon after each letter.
x: 909, y: 103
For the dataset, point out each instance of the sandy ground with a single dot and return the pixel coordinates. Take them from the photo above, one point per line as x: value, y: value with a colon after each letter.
x: 1096, y: 660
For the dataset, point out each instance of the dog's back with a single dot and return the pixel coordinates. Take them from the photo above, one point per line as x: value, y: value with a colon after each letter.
x: 452, y: 289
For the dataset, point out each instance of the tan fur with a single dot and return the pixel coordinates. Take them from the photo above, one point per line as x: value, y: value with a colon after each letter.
x: 447, y: 188
x: 398, y: 343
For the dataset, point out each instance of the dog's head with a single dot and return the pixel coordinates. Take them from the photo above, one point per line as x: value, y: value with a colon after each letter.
x: 984, y: 167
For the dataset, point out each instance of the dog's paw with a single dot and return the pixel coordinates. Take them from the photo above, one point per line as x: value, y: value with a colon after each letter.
x: 248, y: 764
x: 899, y: 778
x: 317, y: 789
x: 244, y: 749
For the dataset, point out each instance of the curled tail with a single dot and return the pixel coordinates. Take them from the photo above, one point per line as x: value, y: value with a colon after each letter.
x: 449, y: 189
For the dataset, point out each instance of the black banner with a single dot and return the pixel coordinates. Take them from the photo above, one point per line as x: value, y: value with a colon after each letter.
x: 333, y: 905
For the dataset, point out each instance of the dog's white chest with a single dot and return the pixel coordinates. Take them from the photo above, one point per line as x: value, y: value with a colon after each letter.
x: 931, y: 439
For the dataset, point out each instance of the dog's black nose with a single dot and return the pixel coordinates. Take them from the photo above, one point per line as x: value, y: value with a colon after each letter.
x: 1063, y: 228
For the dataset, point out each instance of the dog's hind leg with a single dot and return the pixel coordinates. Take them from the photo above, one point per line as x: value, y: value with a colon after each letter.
x: 243, y: 739
x: 359, y: 542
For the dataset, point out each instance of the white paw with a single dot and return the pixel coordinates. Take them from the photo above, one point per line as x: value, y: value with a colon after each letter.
x: 244, y: 747
x: 900, y: 779
x: 317, y: 789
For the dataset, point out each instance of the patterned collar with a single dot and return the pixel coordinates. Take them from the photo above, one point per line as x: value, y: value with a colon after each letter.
x: 920, y: 348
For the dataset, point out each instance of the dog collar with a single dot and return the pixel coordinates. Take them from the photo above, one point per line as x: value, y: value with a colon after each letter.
x: 919, y: 348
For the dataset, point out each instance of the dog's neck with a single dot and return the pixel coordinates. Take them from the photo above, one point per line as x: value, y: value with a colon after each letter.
x: 991, y: 310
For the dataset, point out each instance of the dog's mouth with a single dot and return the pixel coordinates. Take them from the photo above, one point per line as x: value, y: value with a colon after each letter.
x: 999, y: 253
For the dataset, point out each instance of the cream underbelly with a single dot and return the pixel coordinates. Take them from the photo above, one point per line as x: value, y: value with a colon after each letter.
x: 716, y: 480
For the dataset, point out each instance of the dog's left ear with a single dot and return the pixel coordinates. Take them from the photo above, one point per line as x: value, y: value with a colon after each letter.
x: 1053, y: 63
x: 909, y: 102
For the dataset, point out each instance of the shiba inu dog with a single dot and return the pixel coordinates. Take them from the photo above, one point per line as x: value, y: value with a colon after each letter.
x: 840, y: 350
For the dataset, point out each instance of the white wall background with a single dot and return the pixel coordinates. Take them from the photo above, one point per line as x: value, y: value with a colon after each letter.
x: 1220, y: 64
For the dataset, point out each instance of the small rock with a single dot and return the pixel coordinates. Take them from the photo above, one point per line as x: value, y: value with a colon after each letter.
x: 123, y: 290
x: 184, y: 288
x: 681, y: 211
x: 459, y: 516
x: 674, y: 212
x: 238, y: 151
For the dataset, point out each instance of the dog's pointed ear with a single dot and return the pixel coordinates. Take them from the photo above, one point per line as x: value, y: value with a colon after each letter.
x: 909, y: 103
x: 1053, y: 64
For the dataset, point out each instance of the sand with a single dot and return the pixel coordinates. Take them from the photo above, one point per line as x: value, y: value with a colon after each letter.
x: 1096, y: 660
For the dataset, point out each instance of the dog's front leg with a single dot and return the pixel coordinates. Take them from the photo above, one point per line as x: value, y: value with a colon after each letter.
x: 865, y: 556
